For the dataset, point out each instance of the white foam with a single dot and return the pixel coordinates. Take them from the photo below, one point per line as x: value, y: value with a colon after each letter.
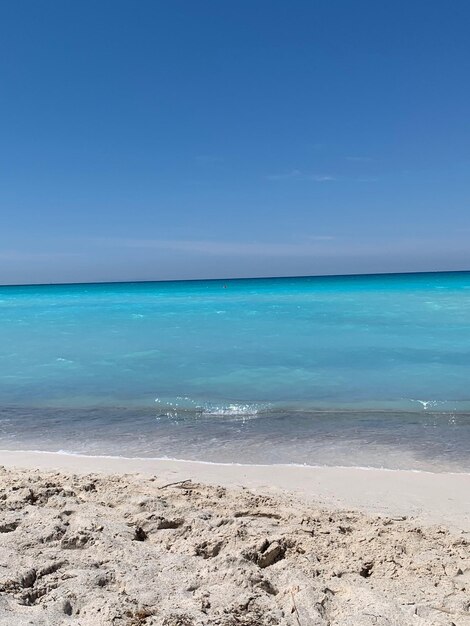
x: 232, y: 409
x: 182, y: 404
x: 426, y: 404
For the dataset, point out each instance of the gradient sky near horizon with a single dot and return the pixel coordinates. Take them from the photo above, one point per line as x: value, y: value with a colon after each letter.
x: 190, y: 139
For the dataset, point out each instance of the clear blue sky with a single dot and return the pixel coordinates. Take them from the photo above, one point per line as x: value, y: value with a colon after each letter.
x: 187, y: 139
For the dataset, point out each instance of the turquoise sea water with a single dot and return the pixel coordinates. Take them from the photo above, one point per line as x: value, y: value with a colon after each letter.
x: 357, y: 370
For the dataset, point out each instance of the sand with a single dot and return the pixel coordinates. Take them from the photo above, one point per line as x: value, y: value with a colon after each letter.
x: 85, y: 545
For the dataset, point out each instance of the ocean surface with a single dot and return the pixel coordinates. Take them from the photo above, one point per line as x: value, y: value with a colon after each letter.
x: 370, y: 371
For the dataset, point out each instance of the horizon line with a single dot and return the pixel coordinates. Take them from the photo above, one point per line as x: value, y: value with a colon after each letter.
x: 235, y: 278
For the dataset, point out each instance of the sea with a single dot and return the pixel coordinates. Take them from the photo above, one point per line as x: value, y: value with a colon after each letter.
x: 364, y: 371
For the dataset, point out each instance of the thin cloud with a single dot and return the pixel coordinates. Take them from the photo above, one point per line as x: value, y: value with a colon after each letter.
x: 359, y: 159
x: 321, y: 178
x: 299, y: 175
x: 320, y: 238
x: 207, y: 159
x: 315, y: 246
x: 291, y: 174
x: 19, y: 255
x: 226, y: 248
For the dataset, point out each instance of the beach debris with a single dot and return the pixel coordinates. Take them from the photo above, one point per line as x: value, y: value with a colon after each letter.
x: 140, y: 534
x: 184, y: 484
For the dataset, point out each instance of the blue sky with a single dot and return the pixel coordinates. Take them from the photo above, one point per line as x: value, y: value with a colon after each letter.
x: 188, y: 139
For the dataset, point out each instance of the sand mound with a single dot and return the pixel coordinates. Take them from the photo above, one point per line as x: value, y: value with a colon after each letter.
x: 131, y: 551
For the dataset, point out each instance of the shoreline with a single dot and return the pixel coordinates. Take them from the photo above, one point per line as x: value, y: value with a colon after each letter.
x: 165, y: 459
x: 430, y: 498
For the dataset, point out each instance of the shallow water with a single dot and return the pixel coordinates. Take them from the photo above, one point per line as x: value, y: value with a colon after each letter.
x: 361, y: 370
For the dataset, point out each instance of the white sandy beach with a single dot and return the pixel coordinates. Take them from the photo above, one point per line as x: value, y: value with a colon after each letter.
x: 433, y: 498
x: 95, y: 541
